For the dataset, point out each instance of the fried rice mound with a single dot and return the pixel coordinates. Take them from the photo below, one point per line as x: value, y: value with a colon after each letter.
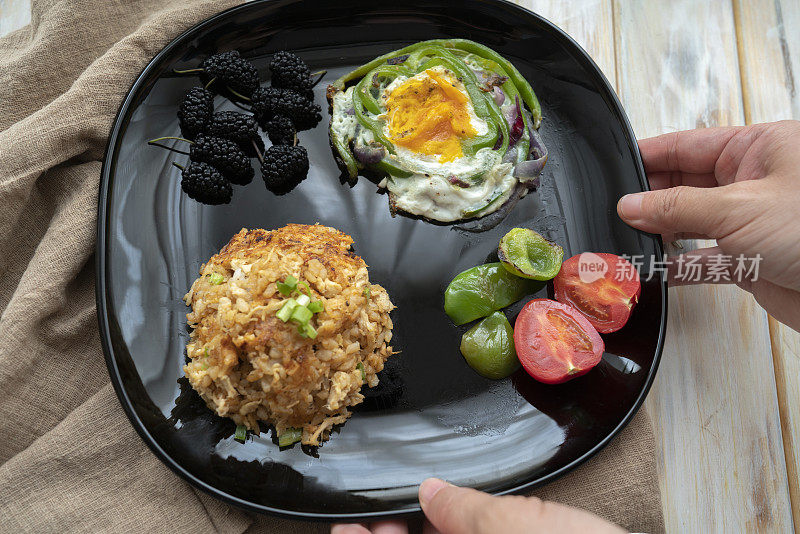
x: 250, y: 366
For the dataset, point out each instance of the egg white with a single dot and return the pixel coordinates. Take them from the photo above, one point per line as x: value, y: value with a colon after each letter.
x: 428, y: 192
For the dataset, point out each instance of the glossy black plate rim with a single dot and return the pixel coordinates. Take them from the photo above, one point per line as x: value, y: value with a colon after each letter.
x: 102, y: 308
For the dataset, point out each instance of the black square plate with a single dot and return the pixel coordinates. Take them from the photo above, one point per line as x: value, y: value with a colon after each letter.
x: 441, y: 418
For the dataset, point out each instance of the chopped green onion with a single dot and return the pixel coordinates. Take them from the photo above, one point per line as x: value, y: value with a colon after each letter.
x: 363, y: 372
x: 207, y: 354
x: 285, y: 313
x: 367, y: 291
x: 203, y: 366
x: 301, y: 315
x: 303, y: 300
x: 241, y: 433
x: 306, y: 286
x: 316, y: 306
x: 287, y: 286
x: 310, y: 331
x: 216, y: 279
x: 290, y: 436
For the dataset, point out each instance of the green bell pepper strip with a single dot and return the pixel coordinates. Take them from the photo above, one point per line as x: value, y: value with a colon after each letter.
x: 496, y: 118
x: 362, y: 71
x: 443, y: 57
x: 489, y: 348
x: 391, y: 169
x: 484, y: 289
x: 414, y: 51
x: 363, y: 94
x: 524, y: 143
x: 347, y: 157
x: 483, y: 104
x: 522, y: 85
x: 387, y: 71
x: 465, y: 45
x: 445, y: 52
x: 390, y: 71
x: 368, y: 122
x: 476, y: 210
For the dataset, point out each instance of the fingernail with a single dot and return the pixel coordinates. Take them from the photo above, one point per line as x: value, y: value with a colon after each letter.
x: 429, y: 488
x: 630, y: 206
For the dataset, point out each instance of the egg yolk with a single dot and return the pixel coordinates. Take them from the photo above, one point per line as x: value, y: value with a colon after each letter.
x: 429, y: 115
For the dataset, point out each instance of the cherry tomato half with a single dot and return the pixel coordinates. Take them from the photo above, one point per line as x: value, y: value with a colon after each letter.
x: 555, y: 342
x: 603, y: 287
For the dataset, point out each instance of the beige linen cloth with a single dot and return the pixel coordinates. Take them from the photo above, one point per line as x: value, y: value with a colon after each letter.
x: 69, y: 459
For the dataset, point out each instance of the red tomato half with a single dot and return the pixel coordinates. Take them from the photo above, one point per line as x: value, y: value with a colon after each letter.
x: 555, y: 342
x: 603, y: 287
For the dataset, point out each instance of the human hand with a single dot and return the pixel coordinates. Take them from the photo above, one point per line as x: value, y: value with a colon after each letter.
x: 453, y: 510
x: 739, y: 185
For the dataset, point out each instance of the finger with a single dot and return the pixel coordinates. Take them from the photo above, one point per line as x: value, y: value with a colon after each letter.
x: 389, y: 527
x: 780, y: 302
x: 663, y: 180
x: 678, y: 209
x: 690, y: 151
x: 349, y: 529
x: 449, y: 508
x: 453, y: 510
x: 736, y: 162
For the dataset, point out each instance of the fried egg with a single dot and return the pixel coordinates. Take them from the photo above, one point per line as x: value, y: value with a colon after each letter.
x: 430, y: 114
x: 422, y: 131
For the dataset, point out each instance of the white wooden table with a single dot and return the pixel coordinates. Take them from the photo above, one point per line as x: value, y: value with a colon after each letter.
x: 726, y: 403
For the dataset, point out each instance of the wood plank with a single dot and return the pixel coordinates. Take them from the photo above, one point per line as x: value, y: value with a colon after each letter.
x: 14, y: 14
x: 769, y: 54
x: 589, y: 22
x: 714, y: 403
x: 786, y: 356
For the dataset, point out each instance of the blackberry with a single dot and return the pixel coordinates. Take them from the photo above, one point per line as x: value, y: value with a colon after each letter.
x: 284, y: 167
x: 270, y: 101
x: 231, y: 70
x: 195, y: 111
x: 280, y: 130
x: 240, y: 128
x: 290, y: 72
x: 205, y: 184
x: 224, y: 155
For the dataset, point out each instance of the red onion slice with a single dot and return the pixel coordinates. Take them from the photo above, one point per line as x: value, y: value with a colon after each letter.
x: 511, y: 155
x: 369, y: 155
x: 498, y: 95
x: 531, y: 169
x: 517, y: 127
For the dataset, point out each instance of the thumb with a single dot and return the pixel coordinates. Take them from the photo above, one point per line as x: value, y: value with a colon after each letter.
x: 695, y: 210
x: 454, y: 510
x: 451, y: 509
